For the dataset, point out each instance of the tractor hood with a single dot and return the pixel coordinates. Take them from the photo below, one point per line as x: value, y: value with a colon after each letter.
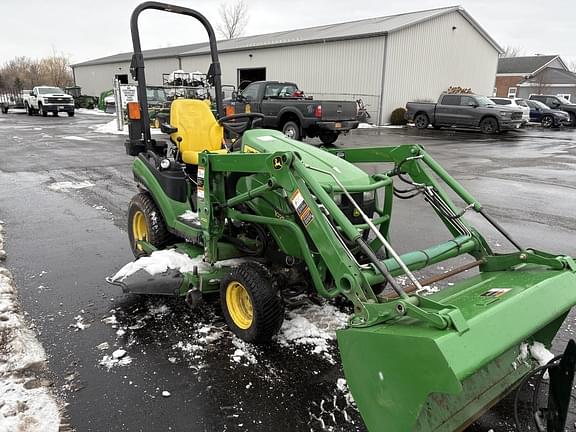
x: 271, y: 141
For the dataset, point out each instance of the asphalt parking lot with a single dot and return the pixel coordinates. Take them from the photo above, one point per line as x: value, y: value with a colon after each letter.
x: 64, y: 190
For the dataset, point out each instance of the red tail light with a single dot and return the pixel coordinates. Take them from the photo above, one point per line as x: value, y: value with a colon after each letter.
x: 318, y: 111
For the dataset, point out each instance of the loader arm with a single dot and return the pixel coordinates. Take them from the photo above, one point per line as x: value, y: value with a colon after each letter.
x: 428, y: 363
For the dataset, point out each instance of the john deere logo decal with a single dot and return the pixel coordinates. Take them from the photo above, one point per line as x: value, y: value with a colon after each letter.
x: 277, y: 162
x: 356, y: 213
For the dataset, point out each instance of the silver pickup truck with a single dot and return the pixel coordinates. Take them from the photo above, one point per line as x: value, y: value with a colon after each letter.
x: 464, y: 110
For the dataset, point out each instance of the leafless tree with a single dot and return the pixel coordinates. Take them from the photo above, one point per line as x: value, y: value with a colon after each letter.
x: 234, y: 18
x: 512, y: 51
x: 24, y: 72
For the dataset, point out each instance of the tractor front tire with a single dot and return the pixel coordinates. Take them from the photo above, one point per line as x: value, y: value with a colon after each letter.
x: 251, y: 303
x: 145, y: 222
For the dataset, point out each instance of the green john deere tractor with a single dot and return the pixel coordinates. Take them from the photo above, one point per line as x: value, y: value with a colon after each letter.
x: 268, y: 213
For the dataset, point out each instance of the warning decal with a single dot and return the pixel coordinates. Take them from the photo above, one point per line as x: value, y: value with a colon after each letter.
x: 301, y: 208
x: 495, y: 292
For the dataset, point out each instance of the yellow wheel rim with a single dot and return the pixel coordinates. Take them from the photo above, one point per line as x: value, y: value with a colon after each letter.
x: 157, y: 123
x: 239, y: 305
x: 139, y: 228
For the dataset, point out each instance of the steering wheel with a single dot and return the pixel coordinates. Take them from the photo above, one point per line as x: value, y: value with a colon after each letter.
x: 240, y: 127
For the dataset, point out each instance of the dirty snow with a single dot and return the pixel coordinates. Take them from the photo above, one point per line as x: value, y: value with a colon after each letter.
x: 189, y: 215
x: 537, y: 352
x: 366, y: 126
x: 313, y: 326
x: 66, y: 185
x: 109, y: 361
x: 162, y: 260
x: 32, y: 409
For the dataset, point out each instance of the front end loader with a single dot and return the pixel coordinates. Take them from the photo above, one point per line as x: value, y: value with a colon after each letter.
x: 250, y: 220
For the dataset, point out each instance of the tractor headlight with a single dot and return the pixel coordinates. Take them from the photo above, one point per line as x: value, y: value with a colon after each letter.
x: 337, y: 199
x: 368, y: 196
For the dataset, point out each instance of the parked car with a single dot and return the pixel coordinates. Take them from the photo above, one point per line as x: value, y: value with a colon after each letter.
x: 558, y: 103
x: 514, y: 103
x: 45, y: 99
x: 464, y: 110
x: 287, y: 109
x: 547, y: 117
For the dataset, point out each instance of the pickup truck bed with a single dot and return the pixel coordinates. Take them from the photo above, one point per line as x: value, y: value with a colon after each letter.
x: 286, y: 109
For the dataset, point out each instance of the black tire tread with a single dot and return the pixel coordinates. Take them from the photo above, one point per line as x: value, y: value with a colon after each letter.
x: 421, y: 114
x: 267, y: 304
x: 158, y: 234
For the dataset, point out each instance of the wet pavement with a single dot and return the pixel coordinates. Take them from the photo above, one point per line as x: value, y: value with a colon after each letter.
x: 64, y: 190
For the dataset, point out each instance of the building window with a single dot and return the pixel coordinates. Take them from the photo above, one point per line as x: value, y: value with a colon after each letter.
x: 565, y: 96
x: 495, y: 92
x: 512, y: 92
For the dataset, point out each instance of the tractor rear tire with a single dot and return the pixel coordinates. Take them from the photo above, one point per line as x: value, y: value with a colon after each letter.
x: 145, y: 222
x: 251, y: 303
x: 292, y: 130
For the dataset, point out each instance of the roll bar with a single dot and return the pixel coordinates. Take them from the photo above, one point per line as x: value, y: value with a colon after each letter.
x: 137, y: 64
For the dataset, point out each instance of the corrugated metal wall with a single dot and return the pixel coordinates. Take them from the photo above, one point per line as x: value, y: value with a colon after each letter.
x: 421, y: 62
x: 97, y: 78
x: 342, y: 69
x: 424, y: 60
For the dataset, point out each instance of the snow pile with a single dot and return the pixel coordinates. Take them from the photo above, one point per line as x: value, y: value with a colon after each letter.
x: 314, y: 326
x: 74, y: 138
x: 244, y: 352
x: 93, y: 112
x: 67, y: 185
x: 366, y: 126
x: 537, y: 352
x: 2, y: 251
x: 112, y: 128
x: 26, y: 404
x: 160, y: 261
x: 540, y: 353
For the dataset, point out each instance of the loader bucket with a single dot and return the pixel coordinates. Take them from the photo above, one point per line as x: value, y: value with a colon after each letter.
x: 406, y: 375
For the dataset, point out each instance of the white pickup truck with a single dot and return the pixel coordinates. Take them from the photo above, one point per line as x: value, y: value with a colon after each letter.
x: 45, y: 99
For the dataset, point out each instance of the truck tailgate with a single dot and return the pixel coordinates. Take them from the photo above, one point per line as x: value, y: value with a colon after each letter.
x: 338, y: 110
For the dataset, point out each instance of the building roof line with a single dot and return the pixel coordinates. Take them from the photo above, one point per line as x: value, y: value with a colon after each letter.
x: 372, y: 27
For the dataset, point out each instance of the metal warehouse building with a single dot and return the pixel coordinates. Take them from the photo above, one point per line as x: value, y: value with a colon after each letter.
x: 386, y: 61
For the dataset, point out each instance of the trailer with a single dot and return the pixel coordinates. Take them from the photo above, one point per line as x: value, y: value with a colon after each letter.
x: 12, y: 99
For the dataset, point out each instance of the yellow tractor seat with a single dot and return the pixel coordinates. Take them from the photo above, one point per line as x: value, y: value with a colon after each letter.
x: 197, y: 129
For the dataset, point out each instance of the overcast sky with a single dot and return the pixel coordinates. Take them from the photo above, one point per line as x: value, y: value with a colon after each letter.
x: 87, y: 29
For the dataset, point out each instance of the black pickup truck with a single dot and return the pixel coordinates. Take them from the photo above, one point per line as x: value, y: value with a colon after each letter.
x: 464, y: 110
x: 285, y: 108
x: 558, y: 103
